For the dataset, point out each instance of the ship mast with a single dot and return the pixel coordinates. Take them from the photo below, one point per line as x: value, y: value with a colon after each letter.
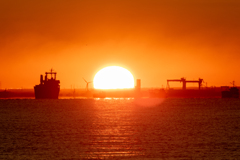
x: 51, y: 73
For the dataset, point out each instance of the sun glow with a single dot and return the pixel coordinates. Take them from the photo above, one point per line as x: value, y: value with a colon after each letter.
x: 113, y: 77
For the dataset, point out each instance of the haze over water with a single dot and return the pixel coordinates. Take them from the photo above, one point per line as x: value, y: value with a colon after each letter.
x: 119, y: 129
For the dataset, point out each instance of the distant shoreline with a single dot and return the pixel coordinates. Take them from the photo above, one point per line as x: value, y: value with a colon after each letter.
x: 118, y: 93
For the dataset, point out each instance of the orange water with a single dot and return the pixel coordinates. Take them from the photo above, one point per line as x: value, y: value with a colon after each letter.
x: 120, y: 129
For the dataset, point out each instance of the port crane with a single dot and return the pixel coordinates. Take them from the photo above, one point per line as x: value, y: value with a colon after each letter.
x: 184, y: 82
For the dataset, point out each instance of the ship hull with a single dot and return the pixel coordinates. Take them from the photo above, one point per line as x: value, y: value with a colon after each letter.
x: 46, y: 92
x: 228, y: 94
x: 232, y: 93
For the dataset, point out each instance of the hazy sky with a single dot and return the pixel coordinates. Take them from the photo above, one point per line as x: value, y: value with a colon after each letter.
x: 155, y: 40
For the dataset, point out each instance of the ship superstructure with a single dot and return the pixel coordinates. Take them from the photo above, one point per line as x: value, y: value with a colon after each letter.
x: 232, y: 92
x: 48, y: 88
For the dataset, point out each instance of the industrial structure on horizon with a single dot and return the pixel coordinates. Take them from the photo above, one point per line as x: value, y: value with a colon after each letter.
x: 49, y: 88
x: 184, y: 82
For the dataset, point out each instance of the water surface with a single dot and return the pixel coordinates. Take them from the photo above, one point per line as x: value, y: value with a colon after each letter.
x: 120, y: 129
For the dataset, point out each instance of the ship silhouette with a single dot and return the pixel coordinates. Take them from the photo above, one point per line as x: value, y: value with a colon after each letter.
x: 48, y: 88
x: 232, y: 92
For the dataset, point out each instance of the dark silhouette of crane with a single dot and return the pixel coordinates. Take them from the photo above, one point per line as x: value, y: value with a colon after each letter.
x: 199, y: 81
x: 184, y: 82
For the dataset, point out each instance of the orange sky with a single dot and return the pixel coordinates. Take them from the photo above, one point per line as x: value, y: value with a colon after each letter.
x: 155, y: 40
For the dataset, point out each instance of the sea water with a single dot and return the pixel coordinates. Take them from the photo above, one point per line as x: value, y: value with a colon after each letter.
x: 120, y: 129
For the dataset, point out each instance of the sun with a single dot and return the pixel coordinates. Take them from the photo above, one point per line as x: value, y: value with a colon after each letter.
x: 113, y: 77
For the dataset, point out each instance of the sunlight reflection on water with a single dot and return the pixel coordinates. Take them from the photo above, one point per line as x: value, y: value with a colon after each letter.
x: 120, y: 129
x: 113, y: 134
x: 148, y: 102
